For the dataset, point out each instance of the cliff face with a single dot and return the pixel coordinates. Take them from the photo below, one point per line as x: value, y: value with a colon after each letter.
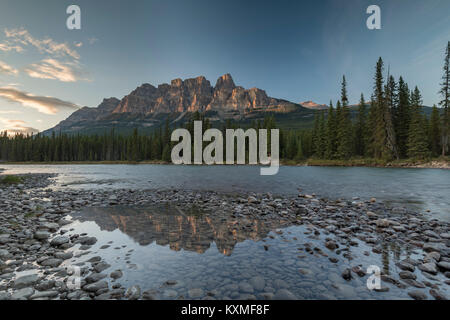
x: 87, y: 114
x: 143, y: 105
x: 195, y: 95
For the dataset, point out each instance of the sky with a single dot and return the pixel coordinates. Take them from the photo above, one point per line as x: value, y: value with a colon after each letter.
x: 295, y: 50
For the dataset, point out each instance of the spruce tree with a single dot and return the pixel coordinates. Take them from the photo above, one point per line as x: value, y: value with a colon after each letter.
x: 330, y: 131
x: 435, y: 132
x: 417, y: 137
x: 360, y: 128
x: 445, y: 102
x: 344, y: 130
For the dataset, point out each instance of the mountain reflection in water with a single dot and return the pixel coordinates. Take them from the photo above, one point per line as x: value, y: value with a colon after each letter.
x: 179, y: 228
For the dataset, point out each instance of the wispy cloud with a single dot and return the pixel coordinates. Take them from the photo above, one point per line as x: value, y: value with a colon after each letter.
x: 56, y: 70
x: 16, y: 126
x: 6, y: 47
x: 7, y: 69
x: 10, y: 112
x: 22, y: 37
x: 43, y: 104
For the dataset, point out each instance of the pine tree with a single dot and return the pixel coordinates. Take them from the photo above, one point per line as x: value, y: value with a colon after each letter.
x: 417, y: 138
x: 435, y: 132
x: 360, y: 128
x: 384, y: 139
x: 344, y: 127
x: 445, y: 102
x: 402, y: 117
x: 330, y: 132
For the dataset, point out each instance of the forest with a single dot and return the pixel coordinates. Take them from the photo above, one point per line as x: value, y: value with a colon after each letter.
x: 389, y: 126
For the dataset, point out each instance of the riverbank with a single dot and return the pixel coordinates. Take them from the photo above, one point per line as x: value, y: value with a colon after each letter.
x: 438, y: 163
x: 35, y: 248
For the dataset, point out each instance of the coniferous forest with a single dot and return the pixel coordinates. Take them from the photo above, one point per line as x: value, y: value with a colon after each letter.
x: 390, y: 125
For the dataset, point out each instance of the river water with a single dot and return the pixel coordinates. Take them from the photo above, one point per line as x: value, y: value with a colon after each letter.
x: 425, y: 190
x: 176, y: 253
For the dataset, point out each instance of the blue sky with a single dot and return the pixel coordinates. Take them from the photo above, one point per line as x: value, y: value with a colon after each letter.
x: 296, y: 50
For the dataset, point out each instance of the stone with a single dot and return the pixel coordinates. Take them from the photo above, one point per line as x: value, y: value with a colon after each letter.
x: 195, y: 293
x: 44, y: 294
x: 347, y: 274
x: 407, y: 275
x: 284, y: 294
x: 52, y: 262
x: 444, y: 265
x: 429, y: 267
x: 133, y: 293
x: 116, y: 274
x: 41, y: 235
x: 59, y: 240
x: 417, y: 295
x: 94, y: 277
x: 26, y: 281
x: 331, y: 245
x: 96, y: 286
x: 437, y: 295
x: 22, y: 294
x: 99, y: 267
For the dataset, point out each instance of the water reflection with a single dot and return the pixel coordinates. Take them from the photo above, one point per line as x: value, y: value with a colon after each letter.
x: 180, y: 228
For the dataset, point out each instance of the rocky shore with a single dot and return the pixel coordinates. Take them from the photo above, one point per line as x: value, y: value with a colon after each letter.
x: 35, y: 241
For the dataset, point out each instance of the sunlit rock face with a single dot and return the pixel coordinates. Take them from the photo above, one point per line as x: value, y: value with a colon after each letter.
x: 195, y: 94
x: 178, y: 229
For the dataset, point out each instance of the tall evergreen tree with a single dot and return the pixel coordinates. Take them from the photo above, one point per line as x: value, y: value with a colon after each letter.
x: 417, y: 138
x: 435, y: 132
x: 330, y: 131
x: 445, y: 102
x: 360, y: 128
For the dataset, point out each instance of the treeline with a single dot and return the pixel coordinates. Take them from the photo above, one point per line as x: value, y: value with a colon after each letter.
x: 392, y: 127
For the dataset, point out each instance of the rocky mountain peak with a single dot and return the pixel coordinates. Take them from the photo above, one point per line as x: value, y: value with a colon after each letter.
x: 225, y: 82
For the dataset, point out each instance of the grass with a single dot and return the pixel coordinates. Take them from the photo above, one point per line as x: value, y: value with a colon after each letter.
x: 9, y: 179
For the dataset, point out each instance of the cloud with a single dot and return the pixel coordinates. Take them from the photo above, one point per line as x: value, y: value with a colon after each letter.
x: 16, y: 127
x: 6, y: 47
x: 7, y: 69
x: 10, y: 112
x: 47, y: 105
x: 46, y: 45
x: 56, y: 70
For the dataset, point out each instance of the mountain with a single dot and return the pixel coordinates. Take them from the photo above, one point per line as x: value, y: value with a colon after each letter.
x: 314, y: 106
x: 148, y: 105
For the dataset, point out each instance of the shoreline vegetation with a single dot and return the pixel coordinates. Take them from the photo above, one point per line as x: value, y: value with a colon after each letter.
x: 434, y: 163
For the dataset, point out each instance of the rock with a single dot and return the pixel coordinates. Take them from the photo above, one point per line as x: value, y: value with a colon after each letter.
x: 405, y: 266
x: 99, y: 267
x: 437, y: 295
x: 431, y: 246
x: 432, y: 257
x: 96, y: 286
x: 116, y: 274
x: 407, y: 275
x: 22, y: 294
x: 417, y: 295
x: 383, y: 223
x: 245, y: 287
x: 195, y: 293
x: 63, y: 255
x: 284, y: 294
x: 26, y: 281
x: 87, y: 241
x: 258, y: 283
x: 41, y: 235
x: 444, y: 265
x: 94, y: 277
x: 52, y: 262
x: 429, y: 267
x: 133, y: 293
x: 4, y: 253
x: 331, y: 245
x: 44, y: 294
x: 347, y: 274
x: 59, y: 240
x: 5, y: 296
